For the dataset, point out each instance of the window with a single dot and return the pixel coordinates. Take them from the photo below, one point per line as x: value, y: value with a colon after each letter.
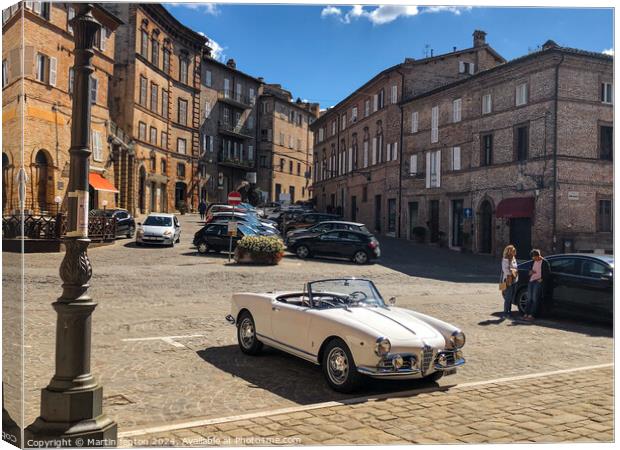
x: 593, y: 269
x: 486, y: 155
x: 321, y: 134
x: 166, y: 60
x: 155, y: 52
x: 97, y: 147
x: 435, y: 124
x: 367, y: 108
x: 607, y: 93
x: 394, y: 94
x: 164, y: 166
x: 164, y: 103
x: 365, y: 150
x: 282, y: 139
x: 183, y: 63
x: 144, y: 47
x: 154, y: 92
x: 164, y: 140
x: 153, y: 135
x: 5, y: 73
x: 142, y: 131
x: 414, y: 122
x: 299, y: 144
x: 521, y: 94
x: 182, y: 116
x: 521, y: 142
x: 41, y: 8
x: 238, y: 92
x: 281, y: 164
x: 333, y: 127
x: 466, y: 67
x: 606, y: 142
x: 374, y: 151
x: 433, y: 169
x: 180, y: 170
x: 251, y: 122
x: 375, y: 102
x: 486, y: 104
x: 354, y: 114
x: 70, y: 15
x: 226, y: 88
x: 456, y: 110
x: 208, y: 78
x: 343, y: 121
x: 365, y: 193
x: 46, y: 69
x: 252, y: 95
x: 381, y: 98
x: 71, y: 80
x: 181, y: 143
x: 413, y: 164
x: 456, y: 158
x: 604, y: 215
x: 250, y: 153
x: 142, y: 99
x: 263, y: 161
x: 290, y: 166
x: 93, y: 89
x: 298, y: 168
x: 394, y: 151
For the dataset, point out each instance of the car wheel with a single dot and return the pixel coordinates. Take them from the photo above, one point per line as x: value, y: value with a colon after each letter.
x: 339, y: 368
x: 246, y: 335
x: 435, y: 376
x: 521, y: 300
x: 202, y: 247
x: 360, y: 257
x: 302, y: 252
x: 179, y: 239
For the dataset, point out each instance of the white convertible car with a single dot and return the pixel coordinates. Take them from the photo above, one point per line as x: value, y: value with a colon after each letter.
x: 345, y: 326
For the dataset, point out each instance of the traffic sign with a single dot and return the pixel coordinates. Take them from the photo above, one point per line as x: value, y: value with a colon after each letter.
x: 234, y: 198
x: 232, y: 228
x: 468, y: 213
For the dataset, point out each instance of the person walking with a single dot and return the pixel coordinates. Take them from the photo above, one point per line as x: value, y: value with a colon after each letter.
x: 202, y: 209
x: 539, y: 272
x: 509, y: 278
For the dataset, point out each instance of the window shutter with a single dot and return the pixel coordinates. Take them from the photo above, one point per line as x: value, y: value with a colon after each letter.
x: 374, y: 151
x: 28, y: 61
x: 29, y: 5
x: 456, y: 158
x: 104, y: 37
x: 414, y: 122
x: 461, y: 67
x: 438, y: 167
x: 388, y: 156
x: 350, y: 159
x: 471, y: 68
x: 53, y: 71
x: 250, y: 152
x: 37, y: 7
x: 375, y: 102
x: 395, y: 150
x: 365, y: 153
x: 428, y: 170
x: 435, y: 124
x: 394, y: 94
x: 93, y: 89
x: 413, y: 164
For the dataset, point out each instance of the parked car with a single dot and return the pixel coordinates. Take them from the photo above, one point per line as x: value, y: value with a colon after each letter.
x: 581, y: 285
x: 125, y: 223
x: 214, y: 237
x: 249, y: 218
x: 345, y: 326
x: 294, y: 235
x: 358, y: 246
x: 159, y: 228
x: 306, y: 220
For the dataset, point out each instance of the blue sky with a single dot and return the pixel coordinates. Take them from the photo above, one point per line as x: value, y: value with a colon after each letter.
x: 323, y: 53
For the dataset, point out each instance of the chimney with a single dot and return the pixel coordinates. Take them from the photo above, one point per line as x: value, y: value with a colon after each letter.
x: 479, y: 38
x: 231, y: 63
x: 549, y: 45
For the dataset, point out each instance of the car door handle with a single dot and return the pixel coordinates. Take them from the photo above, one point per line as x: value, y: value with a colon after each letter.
x: 275, y: 308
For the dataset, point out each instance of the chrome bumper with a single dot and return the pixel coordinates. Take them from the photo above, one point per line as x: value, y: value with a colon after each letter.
x: 230, y: 319
x: 446, y: 361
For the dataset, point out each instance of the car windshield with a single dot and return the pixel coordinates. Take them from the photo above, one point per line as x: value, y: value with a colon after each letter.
x: 247, y: 231
x: 158, y: 221
x: 345, y: 292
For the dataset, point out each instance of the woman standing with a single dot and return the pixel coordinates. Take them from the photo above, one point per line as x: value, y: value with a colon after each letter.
x: 509, y: 278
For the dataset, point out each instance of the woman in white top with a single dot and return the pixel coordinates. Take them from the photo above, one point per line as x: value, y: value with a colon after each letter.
x: 509, y: 276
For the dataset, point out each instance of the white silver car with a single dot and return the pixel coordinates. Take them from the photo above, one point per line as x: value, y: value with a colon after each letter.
x: 159, y: 228
x: 345, y: 326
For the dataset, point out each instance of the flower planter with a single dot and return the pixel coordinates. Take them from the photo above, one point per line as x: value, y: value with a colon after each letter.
x: 259, y: 250
x: 247, y: 257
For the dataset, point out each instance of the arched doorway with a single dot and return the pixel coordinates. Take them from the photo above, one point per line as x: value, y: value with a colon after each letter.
x: 180, y: 193
x: 141, y: 190
x: 5, y: 177
x: 43, y: 171
x: 486, y: 227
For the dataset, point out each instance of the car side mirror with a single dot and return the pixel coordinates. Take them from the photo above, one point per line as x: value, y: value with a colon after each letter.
x: 392, y: 301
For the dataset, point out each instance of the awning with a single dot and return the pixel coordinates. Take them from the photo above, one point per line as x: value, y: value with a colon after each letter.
x: 516, y: 207
x: 100, y: 184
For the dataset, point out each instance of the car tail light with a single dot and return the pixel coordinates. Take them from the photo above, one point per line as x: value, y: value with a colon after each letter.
x: 372, y: 244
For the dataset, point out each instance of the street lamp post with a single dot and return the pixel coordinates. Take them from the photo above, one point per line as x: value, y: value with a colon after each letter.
x: 71, y: 405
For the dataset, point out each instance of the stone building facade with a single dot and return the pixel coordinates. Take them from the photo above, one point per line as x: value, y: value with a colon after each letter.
x: 521, y: 153
x: 228, y: 130
x: 357, y: 143
x: 155, y: 100
x: 40, y: 35
x: 285, y: 145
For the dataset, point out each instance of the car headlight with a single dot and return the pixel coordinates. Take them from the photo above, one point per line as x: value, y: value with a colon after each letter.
x: 383, y: 346
x: 457, y: 339
x: 167, y: 233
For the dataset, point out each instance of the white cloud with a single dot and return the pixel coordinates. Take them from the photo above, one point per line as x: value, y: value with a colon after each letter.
x: 386, y: 13
x: 217, y: 50
x: 609, y: 51
x: 207, y: 8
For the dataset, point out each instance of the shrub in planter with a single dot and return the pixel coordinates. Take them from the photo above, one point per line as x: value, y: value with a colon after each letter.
x: 182, y: 207
x: 419, y: 233
x: 259, y: 250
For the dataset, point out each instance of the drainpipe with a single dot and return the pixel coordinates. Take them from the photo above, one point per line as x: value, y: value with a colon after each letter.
x: 402, y: 152
x: 555, y: 155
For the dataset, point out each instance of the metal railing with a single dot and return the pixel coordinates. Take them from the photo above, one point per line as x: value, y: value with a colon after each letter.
x: 236, y: 129
x: 54, y: 227
x: 237, y: 97
x: 230, y: 159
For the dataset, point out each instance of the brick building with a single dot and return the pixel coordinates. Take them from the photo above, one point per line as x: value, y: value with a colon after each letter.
x: 40, y: 35
x: 228, y: 114
x: 285, y: 145
x: 357, y: 142
x: 155, y: 100
x: 519, y: 153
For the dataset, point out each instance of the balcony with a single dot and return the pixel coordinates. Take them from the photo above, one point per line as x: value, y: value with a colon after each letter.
x: 235, y: 130
x: 235, y: 99
x: 234, y: 161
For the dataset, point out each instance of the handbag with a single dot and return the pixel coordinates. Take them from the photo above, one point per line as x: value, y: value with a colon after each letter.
x: 503, y: 285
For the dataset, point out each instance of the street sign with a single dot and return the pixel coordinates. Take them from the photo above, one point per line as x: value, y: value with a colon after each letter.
x: 232, y: 228
x: 467, y: 213
x: 234, y: 198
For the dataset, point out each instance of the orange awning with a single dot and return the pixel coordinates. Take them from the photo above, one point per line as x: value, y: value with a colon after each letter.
x: 516, y: 207
x: 100, y: 184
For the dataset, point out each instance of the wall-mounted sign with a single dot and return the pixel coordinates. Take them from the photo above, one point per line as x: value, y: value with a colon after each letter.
x: 573, y: 195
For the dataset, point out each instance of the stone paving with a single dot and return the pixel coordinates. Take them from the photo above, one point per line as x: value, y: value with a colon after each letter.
x: 570, y: 407
x: 146, y: 294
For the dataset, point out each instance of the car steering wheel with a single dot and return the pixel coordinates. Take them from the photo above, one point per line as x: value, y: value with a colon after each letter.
x: 353, y: 296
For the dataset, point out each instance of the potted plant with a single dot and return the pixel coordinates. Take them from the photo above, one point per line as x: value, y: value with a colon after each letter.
x: 419, y: 234
x: 259, y: 250
x: 182, y: 207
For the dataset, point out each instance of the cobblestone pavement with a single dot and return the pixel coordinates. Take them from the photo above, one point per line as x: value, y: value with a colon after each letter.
x: 570, y: 407
x: 163, y: 351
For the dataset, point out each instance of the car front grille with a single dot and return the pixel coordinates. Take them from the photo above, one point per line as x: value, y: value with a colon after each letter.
x: 427, y: 358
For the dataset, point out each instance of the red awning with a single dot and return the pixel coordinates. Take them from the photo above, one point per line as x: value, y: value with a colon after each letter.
x: 516, y: 207
x: 100, y: 184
